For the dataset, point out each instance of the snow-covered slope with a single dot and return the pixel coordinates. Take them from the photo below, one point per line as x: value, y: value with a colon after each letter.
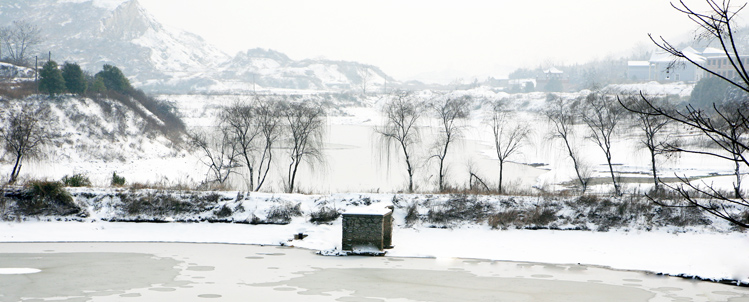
x: 162, y: 59
x: 97, y: 137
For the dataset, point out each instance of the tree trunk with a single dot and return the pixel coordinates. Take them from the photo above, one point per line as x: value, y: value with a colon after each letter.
x: 655, y: 174
x: 409, y: 169
x: 501, y: 167
x: 583, y: 183
x: 292, y: 175
x: 737, y: 186
x: 16, y: 170
x: 613, y: 178
x: 442, y: 165
x: 260, y: 181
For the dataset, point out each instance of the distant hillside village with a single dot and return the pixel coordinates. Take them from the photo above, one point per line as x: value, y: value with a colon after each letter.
x: 681, y: 70
x: 661, y: 67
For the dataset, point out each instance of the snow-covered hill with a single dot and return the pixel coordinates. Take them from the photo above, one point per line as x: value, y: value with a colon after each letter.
x: 163, y: 59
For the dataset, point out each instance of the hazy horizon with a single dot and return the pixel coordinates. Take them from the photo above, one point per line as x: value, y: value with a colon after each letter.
x: 426, y: 39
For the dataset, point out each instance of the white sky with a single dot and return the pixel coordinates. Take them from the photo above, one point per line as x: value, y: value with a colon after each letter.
x: 431, y: 39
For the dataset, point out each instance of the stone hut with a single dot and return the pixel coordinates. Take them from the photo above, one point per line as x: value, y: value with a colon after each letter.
x: 369, y: 231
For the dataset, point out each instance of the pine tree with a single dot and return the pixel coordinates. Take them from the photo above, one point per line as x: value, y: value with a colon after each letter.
x: 114, y: 79
x: 74, y: 79
x: 50, y: 79
x: 97, y: 85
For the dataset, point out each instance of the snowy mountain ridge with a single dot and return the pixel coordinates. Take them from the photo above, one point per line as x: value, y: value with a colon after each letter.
x: 162, y: 59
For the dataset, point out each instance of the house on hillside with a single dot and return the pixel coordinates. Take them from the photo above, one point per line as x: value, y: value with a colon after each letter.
x: 638, y: 70
x: 718, y: 62
x: 552, y: 75
x: 664, y: 68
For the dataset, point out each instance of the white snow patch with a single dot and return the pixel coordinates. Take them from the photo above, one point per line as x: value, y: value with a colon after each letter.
x: 18, y: 270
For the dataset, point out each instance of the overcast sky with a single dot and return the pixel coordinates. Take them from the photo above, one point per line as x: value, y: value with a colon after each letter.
x: 427, y: 39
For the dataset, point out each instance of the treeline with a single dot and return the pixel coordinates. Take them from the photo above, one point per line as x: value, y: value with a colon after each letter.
x: 248, y: 135
x: 110, y: 82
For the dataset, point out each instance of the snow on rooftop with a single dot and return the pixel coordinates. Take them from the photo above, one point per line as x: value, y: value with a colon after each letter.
x: 553, y: 70
x: 380, y: 208
x: 638, y: 63
x: 712, y: 51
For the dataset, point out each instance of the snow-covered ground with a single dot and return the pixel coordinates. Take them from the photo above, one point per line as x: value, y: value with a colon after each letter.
x: 713, y: 251
x: 705, y: 254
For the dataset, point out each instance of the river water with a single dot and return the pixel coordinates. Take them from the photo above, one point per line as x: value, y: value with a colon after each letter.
x: 197, y: 272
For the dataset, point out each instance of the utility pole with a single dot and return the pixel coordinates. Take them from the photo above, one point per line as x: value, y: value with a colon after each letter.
x: 36, y: 74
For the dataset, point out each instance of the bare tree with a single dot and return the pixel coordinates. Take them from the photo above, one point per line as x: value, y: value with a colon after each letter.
x: 25, y: 134
x: 219, y: 153
x: 269, y: 122
x: 602, y: 116
x: 239, y: 121
x: 734, y: 113
x: 305, y: 126
x: 651, y: 127
x: 20, y: 39
x: 449, y: 111
x: 721, y: 125
x: 401, y: 114
x: 508, y: 137
x: 562, y: 116
x: 364, y: 75
x: 254, y: 128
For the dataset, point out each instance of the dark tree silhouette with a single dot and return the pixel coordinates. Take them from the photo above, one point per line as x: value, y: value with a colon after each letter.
x: 448, y: 111
x: 563, y: 116
x: 51, y: 80
x: 401, y: 113
x: 305, y: 126
x: 75, y: 81
x: 508, y: 137
x: 24, y: 135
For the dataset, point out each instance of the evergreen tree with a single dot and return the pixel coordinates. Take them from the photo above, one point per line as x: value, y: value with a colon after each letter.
x: 114, y: 79
x: 97, y: 85
x: 707, y: 91
x: 50, y: 79
x: 74, y: 79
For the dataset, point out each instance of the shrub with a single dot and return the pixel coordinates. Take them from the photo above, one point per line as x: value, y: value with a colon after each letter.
x: 503, y: 220
x: 412, y: 213
x: 77, y: 180
x: 117, y: 180
x: 324, y: 214
x: 283, y: 212
x: 48, y: 198
x: 540, y: 216
x: 460, y: 208
x: 223, y: 212
x: 158, y: 203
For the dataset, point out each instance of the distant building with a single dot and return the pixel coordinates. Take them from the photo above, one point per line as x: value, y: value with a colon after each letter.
x: 638, y: 70
x: 664, y: 67
x: 552, y: 74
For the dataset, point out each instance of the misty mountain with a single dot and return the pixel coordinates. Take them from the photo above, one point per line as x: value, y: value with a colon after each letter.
x: 162, y: 59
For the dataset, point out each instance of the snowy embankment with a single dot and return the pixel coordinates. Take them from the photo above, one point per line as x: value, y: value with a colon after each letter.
x: 707, y: 249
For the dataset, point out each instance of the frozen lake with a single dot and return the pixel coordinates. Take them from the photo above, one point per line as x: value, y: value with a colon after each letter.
x: 190, y: 272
